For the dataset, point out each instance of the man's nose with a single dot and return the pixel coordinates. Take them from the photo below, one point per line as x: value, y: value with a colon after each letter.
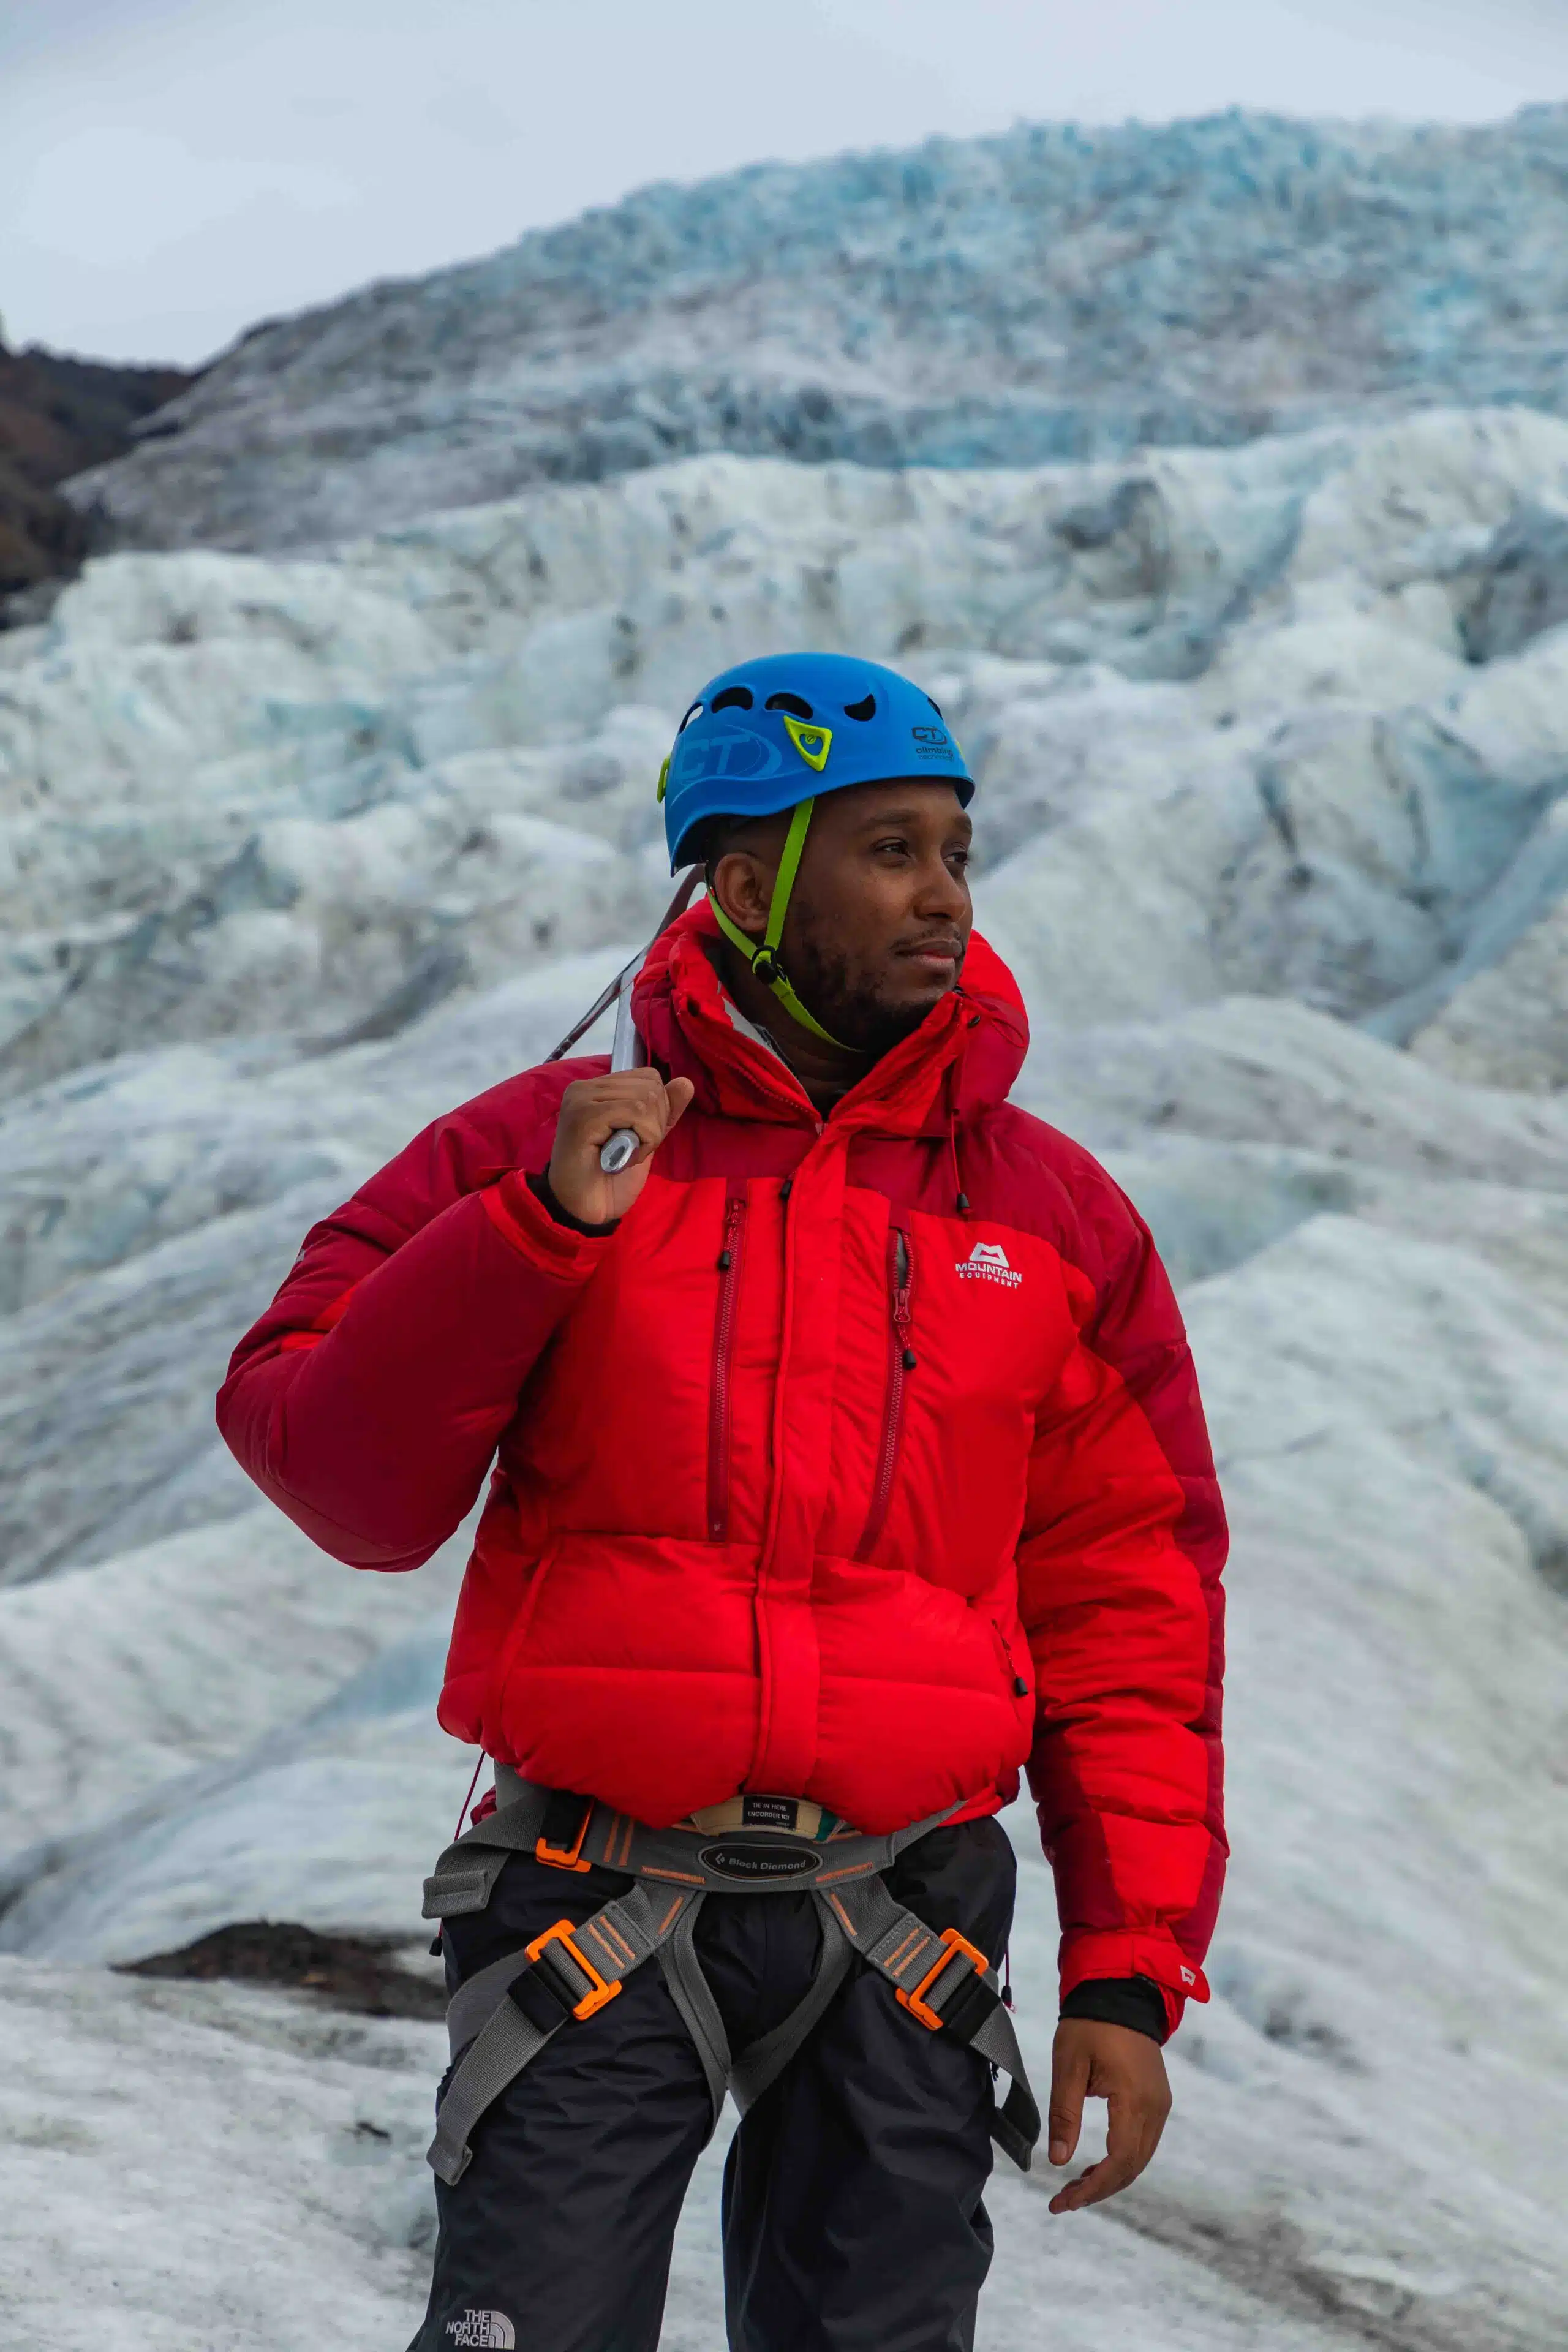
x: 942, y: 891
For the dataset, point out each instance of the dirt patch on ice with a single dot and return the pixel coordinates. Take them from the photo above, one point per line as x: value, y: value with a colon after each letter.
x: 343, y: 1971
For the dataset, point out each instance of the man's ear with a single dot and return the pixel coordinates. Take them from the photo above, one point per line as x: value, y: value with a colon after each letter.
x: 742, y: 883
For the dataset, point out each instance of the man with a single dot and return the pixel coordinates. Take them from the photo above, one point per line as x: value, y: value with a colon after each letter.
x: 850, y: 1457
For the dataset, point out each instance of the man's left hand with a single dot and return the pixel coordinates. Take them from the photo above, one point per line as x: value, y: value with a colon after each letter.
x: 1125, y: 2068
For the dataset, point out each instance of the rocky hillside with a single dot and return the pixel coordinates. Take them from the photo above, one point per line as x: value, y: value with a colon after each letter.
x: 57, y: 416
x: 1053, y: 293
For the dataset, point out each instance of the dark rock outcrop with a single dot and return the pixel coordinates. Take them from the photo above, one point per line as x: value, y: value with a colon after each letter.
x: 58, y: 416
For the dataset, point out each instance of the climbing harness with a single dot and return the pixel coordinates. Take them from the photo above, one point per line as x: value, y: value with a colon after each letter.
x: 502, y: 2019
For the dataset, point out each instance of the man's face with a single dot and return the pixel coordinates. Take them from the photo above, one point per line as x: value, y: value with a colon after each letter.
x: 880, y: 918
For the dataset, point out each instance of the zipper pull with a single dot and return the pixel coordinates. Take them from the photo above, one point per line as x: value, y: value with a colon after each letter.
x: 904, y: 1263
x: 1020, y: 1687
x: 731, y: 1229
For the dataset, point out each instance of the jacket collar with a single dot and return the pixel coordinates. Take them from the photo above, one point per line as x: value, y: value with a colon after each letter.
x: 960, y: 1061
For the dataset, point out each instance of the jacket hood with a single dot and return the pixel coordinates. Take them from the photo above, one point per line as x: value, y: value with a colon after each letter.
x: 960, y: 1063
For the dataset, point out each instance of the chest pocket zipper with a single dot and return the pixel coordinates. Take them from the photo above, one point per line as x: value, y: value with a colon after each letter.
x: 1020, y: 1687
x: 720, y: 1403
x: 901, y: 1362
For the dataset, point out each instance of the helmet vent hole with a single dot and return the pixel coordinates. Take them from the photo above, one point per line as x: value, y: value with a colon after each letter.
x: 734, y: 698
x: 935, y: 706
x: 695, y: 712
x: 790, y: 702
x: 867, y: 709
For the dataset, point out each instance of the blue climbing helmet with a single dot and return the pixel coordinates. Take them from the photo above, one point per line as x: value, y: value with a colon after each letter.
x: 776, y: 734
x: 769, y: 734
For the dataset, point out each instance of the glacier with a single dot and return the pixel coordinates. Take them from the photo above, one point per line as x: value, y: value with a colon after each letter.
x: 1054, y: 293
x: 301, y: 846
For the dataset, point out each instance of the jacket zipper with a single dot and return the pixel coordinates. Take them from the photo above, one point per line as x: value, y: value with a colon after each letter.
x: 1020, y: 1687
x: 725, y: 1318
x: 901, y: 1361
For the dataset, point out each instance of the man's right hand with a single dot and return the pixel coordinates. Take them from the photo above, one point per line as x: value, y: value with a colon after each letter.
x: 591, y: 1111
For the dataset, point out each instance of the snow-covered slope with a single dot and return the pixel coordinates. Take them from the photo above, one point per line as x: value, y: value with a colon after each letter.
x: 1052, y: 293
x: 297, y: 852
x: 315, y: 2127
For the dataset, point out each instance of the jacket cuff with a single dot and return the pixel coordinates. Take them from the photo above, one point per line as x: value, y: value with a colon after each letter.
x: 1090, y: 1952
x: 532, y: 1232
x: 1135, y: 2002
x: 544, y: 1193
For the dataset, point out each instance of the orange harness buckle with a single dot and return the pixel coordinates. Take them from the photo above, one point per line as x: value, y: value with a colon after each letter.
x: 600, y: 1991
x: 916, y: 2002
x: 566, y: 1857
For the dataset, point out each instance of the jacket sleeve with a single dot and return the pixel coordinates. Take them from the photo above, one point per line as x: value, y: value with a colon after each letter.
x: 1119, y: 1564
x: 368, y: 1399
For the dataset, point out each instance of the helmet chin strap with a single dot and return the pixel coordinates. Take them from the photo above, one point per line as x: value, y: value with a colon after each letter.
x: 764, y: 959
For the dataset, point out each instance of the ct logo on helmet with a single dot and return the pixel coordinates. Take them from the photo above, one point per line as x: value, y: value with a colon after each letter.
x: 733, y: 754
x: 933, y: 743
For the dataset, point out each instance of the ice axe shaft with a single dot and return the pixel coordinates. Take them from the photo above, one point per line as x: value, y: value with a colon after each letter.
x: 628, y: 1052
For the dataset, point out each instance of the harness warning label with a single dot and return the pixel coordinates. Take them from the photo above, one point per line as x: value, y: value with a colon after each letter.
x: 770, y: 1813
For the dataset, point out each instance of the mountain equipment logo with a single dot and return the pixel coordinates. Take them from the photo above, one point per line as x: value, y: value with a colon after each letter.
x: 492, y: 2329
x: 987, y: 1262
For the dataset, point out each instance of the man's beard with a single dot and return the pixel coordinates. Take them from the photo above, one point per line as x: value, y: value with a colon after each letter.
x: 853, y: 1013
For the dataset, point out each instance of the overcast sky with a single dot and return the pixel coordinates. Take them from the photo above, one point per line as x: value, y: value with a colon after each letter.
x: 173, y: 170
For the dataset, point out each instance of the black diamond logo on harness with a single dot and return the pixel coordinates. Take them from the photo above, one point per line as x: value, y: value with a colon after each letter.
x: 757, y: 1860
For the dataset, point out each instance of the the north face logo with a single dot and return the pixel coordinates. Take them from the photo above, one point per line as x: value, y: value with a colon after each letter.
x: 491, y: 2328
x: 987, y: 1262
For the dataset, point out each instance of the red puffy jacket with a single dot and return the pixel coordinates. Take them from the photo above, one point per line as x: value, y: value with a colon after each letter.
x: 863, y: 1462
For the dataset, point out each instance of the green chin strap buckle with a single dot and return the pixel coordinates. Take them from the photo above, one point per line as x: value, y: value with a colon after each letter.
x: 764, y: 959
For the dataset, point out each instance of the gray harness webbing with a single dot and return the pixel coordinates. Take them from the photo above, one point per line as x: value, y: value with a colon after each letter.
x: 502, y: 2019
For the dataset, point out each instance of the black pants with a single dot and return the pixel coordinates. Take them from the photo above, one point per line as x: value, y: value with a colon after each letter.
x: 852, y: 2212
